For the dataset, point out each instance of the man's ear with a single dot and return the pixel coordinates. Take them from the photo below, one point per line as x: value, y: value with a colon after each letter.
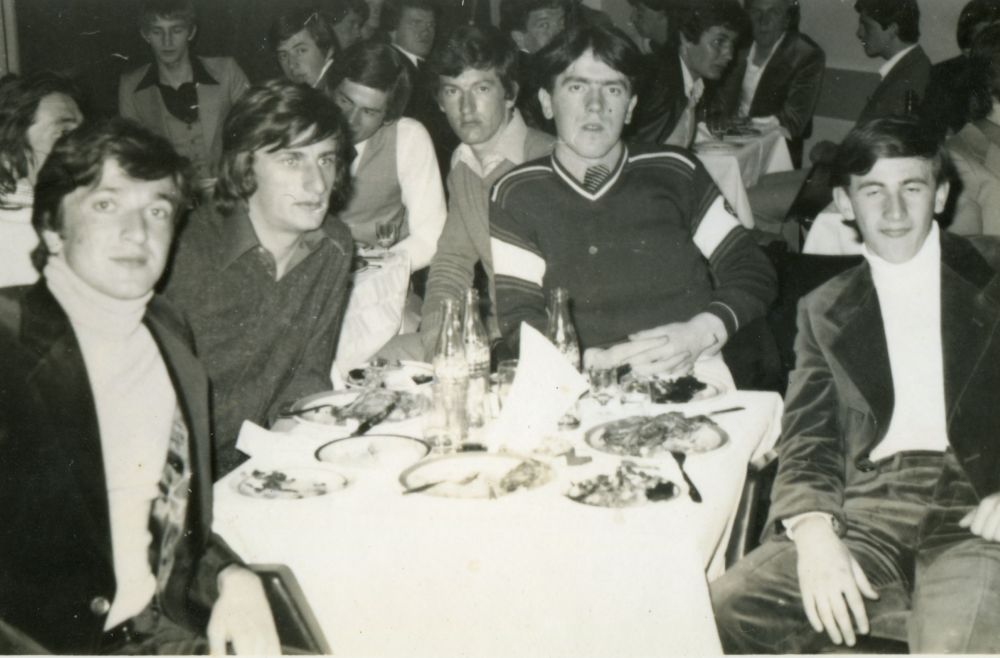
x: 631, y: 108
x: 520, y: 38
x: 941, y: 197
x: 843, y: 201
x: 194, y: 31
x: 545, y: 98
x: 53, y: 241
x: 515, y: 90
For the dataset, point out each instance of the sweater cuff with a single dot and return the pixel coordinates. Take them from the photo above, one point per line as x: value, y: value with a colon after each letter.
x: 728, y: 316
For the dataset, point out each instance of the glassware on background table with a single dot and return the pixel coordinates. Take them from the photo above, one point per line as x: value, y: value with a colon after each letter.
x: 635, y: 391
x: 562, y: 333
x: 477, y: 354
x: 505, y: 378
x: 447, y: 423
x: 386, y: 234
x: 602, y: 384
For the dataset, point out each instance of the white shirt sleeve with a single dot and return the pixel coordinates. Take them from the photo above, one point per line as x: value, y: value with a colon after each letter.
x: 793, y: 522
x: 422, y: 192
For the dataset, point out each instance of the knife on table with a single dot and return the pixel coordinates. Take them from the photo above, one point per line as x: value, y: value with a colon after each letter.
x: 375, y: 419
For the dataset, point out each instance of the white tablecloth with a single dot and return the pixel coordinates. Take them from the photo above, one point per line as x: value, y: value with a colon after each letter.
x: 830, y: 236
x: 740, y: 162
x: 374, y: 311
x: 529, y: 574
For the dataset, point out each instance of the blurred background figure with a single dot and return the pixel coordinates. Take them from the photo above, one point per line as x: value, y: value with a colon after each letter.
x: 348, y: 18
x: 975, y: 150
x: 35, y: 111
x: 305, y: 43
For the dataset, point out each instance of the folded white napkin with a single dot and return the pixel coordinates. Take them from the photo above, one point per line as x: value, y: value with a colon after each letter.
x: 545, y: 387
x: 279, y: 447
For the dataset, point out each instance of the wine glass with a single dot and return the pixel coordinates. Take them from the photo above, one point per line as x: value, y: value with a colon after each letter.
x: 602, y: 380
x: 386, y: 234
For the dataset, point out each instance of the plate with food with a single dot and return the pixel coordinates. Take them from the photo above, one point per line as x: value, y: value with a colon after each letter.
x: 293, y: 483
x: 675, y: 390
x: 630, y: 485
x: 374, y: 450
x: 652, y: 436
x: 396, y: 375
x: 346, y: 409
x: 475, y: 475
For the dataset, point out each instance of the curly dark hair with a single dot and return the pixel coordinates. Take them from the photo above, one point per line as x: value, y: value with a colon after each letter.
x: 19, y: 100
x: 78, y: 158
x: 273, y: 116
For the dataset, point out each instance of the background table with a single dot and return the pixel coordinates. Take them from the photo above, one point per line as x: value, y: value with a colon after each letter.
x: 741, y: 166
x: 532, y: 573
x: 830, y: 236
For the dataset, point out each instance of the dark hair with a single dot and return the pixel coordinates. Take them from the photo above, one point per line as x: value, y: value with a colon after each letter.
x: 338, y: 10
x: 514, y: 13
x: 890, y: 137
x: 794, y: 13
x: 904, y: 13
x: 392, y: 11
x: 975, y: 13
x: 19, y: 101
x: 381, y: 67
x: 696, y: 19
x: 78, y: 158
x: 609, y: 45
x: 317, y: 23
x: 984, y: 75
x: 272, y: 116
x: 175, y: 10
x: 480, y: 48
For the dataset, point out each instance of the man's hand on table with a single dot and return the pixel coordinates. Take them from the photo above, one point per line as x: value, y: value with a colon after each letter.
x: 984, y: 521
x: 831, y: 581
x: 669, y: 348
x: 242, y: 616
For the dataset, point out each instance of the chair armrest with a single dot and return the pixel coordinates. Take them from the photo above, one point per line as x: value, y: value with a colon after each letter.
x: 298, y: 629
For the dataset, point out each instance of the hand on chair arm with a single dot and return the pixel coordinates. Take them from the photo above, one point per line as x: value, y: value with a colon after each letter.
x: 984, y: 521
x: 242, y: 616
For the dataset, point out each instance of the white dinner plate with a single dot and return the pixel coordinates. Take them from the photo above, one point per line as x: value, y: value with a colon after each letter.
x: 323, y: 408
x: 287, y: 483
x: 374, y: 450
x: 716, y: 147
x: 475, y: 475
x: 712, y: 389
x: 621, y: 437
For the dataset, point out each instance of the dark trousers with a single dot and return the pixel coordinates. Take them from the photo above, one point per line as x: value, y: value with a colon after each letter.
x: 902, y: 528
x: 151, y: 633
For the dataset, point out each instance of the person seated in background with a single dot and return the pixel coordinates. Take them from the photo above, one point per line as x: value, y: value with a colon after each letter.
x: 412, y: 26
x: 777, y: 81
x: 656, y: 21
x: 945, y: 106
x: 395, y: 172
x: 179, y: 96
x: 887, y: 29
x: 263, y: 273
x: 670, y: 89
x: 655, y: 262
x: 104, y: 408
x: 347, y: 17
x: 305, y: 44
x: 477, y: 85
x: 887, y: 496
x: 35, y: 111
x: 532, y: 24
x: 975, y: 150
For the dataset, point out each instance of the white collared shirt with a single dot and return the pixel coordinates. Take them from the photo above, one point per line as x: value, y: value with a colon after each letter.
x: 892, y: 61
x: 751, y: 78
x: 683, y: 133
x: 509, y: 147
x: 415, y: 59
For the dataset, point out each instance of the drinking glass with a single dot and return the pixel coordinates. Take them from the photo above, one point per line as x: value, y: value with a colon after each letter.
x: 505, y: 378
x: 635, y: 391
x: 602, y: 381
x: 386, y: 234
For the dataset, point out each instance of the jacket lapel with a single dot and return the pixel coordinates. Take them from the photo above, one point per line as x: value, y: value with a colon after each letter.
x: 860, y: 345
x: 209, y: 107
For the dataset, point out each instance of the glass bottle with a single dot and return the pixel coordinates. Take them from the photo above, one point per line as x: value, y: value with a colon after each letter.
x: 562, y: 333
x: 477, y: 354
x: 560, y: 330
x: 449, y: 417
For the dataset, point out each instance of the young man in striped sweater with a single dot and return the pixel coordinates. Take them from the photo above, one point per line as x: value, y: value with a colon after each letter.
x: 658, y: 268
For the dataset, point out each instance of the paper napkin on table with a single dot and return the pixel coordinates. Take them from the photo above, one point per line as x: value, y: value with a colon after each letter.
x: 545, y: 387
x: 278, y: 447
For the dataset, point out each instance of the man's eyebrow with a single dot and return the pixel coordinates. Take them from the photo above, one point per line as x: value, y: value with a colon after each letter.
x: 604, y: 82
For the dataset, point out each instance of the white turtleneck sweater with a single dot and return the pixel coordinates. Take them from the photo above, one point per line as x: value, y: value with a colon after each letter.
x: 909, y: 296
x: 135, y: 402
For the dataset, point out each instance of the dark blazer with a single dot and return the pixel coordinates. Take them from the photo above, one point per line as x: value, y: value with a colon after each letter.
x: 423, y: 107
x: 909, y: 74
x: 944, y: 107
x: 788, y: 88
x: 840, y: 396
x: 56, y: 571
x: 662, y: 99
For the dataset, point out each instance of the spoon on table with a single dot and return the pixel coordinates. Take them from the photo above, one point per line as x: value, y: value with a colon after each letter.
x: 424, y: 487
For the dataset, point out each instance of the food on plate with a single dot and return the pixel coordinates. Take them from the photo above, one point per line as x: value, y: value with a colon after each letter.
x: 527, y: 474
x: 278, y: 485
x: 630, y: 485
x: 682, y: 389
x: 645, y: 436
x: 367, y: 404
x: 421, y: 379
x: 475, y: 475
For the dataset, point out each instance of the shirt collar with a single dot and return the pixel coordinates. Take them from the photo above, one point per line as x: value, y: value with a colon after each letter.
x: 240, y: 237
x: 326, y: 67
x: 885, y: 68
x: 692, y: 88
x: 199, y: 75
x: 563, y: 173
x: 510, y: 147
x: 416, y: 59
x: 926, y: 262
x: 774, y: 49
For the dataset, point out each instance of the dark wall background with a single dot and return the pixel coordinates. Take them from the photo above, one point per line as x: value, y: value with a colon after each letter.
x: 95, y: 41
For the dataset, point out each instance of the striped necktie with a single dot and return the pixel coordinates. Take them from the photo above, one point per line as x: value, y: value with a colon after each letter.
x: 595, y: 177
